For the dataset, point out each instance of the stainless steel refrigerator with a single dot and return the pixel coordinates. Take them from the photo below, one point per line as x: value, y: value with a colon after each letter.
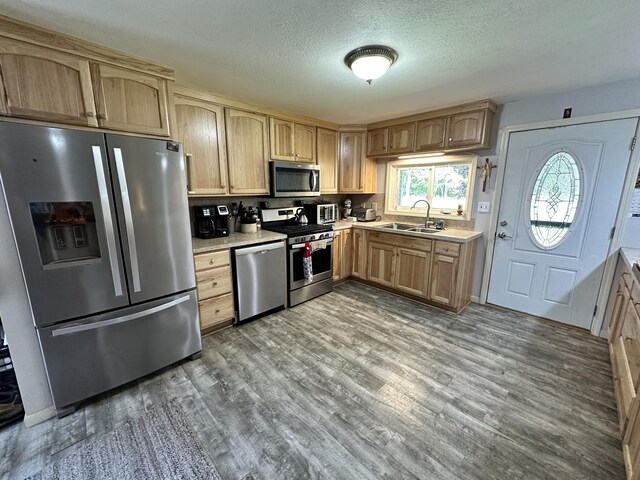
x: 102, y: 230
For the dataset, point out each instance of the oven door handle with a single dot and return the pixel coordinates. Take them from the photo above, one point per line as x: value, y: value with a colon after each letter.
x: 300, y: 246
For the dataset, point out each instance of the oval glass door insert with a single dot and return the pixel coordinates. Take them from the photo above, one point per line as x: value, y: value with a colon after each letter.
x: 554, y: 200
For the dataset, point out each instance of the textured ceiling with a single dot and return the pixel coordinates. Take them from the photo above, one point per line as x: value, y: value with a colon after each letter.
x: 288, y: 54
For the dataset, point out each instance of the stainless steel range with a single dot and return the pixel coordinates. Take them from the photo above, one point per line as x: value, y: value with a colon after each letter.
x: 320, y: 240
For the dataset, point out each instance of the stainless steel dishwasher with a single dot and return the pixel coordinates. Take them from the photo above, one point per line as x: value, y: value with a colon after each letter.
x: 260, y: 280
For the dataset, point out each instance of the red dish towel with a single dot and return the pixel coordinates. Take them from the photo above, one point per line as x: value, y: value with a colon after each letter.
x: 307, y: 263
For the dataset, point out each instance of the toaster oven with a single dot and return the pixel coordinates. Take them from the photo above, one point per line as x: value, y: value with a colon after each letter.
x: 322, y: 213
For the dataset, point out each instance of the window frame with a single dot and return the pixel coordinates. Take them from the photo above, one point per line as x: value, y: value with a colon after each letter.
x: 392, y: 181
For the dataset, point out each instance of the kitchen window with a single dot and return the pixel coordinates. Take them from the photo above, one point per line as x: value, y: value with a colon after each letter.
x: 445, y: 182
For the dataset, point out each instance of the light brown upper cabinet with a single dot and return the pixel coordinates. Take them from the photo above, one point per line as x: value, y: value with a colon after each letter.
x: 199, y: 125
x: 328, y: 160
x: 292, y: 141
x: 430, y: 134
x: 44, y: 84
x: 402, y: 138
x: 281, y: 132
x: 378, y: 141
x: 455, y: 129
x: 357, y: 172
x: 130, y: 101
x: 304, y: 142
x: 466, y: 129
x: 247, y: 152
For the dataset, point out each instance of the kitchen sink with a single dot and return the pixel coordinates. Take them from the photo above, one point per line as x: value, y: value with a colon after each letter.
x: 423, y: 230
x: 398, y: 226
x: 405, y: 227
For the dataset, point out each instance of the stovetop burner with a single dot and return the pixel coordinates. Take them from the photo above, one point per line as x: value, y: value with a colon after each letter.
x: 296, y: 229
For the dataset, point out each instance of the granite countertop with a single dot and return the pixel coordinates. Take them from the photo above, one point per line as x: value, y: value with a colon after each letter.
x: 235, y: 239
x: 448, y: 234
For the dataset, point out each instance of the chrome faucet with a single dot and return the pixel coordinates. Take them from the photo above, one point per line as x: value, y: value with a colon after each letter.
x: 426, y: 221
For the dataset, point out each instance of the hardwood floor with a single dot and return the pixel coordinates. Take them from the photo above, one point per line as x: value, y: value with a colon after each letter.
x: 361, y: 384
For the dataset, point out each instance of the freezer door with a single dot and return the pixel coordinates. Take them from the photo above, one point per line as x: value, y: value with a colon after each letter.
x: 58, y: 191
x: 150, y: 188
x: 88, y: 357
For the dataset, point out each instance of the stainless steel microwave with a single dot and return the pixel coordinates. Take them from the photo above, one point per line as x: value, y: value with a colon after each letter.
x: 291, y: 179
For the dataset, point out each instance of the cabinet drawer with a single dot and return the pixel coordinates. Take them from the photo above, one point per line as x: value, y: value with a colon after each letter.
x: 219, y: 258
x: 400, y: 240
x: 622, y: 381
x: 447, y: 248
x: 216, y: 310
x: 214, y: 282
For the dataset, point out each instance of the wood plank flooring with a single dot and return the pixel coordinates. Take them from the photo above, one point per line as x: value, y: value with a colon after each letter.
x: 361, y: 384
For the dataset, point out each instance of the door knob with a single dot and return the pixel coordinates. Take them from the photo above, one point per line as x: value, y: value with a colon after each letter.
x: 503, y: 223
x: 504, y: 235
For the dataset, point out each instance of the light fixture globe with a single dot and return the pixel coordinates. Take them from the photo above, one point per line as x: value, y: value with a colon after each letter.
x: 370, y: 62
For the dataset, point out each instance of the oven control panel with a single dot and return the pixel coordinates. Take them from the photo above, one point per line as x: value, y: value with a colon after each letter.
x: 311, y: 237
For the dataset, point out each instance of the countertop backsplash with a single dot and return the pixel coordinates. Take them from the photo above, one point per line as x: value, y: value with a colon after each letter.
x: 452, y: 222
x: 357, y: 200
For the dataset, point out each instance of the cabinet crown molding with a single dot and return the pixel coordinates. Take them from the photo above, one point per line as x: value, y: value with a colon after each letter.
x: 43, y: 37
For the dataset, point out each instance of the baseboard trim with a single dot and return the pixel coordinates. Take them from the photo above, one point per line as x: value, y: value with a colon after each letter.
x: 475, y: 299
x: 39, y: 416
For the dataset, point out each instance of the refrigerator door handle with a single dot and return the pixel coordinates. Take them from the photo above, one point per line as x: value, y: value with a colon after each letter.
x: 128, y: 218
x: 114, y: 321
x: 108, y: 219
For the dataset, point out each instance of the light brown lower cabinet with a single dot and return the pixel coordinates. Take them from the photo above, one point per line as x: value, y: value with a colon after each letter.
x: 342, y: 255
x: 399, y: 262
x: 412, y: 271
x: 443, y: 279
x: 435, y: 271
x: 338, y: 267
x: 214, y: 283
x: 381, y: 263
x: 358, y: 253
x: 624, y: 348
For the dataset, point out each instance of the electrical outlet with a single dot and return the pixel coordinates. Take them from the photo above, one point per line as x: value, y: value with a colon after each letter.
x: 374, y: 205
x: 484, y: 207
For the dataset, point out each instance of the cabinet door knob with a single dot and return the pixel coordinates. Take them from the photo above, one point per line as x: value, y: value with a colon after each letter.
x: 212, y: 261
x: 450, y: 139
x: 90, y: 114
x: 215, y: 284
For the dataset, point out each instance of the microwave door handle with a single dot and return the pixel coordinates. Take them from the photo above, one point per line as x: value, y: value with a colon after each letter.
x: 128, y: 218
x: 313, y: 180
x: 108, y: 219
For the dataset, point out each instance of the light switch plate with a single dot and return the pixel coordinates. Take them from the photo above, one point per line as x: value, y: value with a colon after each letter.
x: 484, y: 207
x: 374, y: 205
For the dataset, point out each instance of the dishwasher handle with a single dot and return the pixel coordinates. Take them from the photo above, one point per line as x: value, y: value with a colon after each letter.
x: 263, y: 248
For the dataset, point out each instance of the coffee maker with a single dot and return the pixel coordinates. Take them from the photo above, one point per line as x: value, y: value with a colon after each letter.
x: 211, y: 221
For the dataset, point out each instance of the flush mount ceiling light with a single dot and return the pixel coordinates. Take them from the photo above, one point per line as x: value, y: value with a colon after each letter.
x: 370, y: 62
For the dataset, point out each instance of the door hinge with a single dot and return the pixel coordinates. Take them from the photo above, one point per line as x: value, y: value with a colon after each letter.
x: 595, y: 309
x: 633, y: 143
x: 613, y: 231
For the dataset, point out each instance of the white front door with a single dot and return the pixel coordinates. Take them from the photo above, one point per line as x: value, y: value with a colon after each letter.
x: 561, y: 191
